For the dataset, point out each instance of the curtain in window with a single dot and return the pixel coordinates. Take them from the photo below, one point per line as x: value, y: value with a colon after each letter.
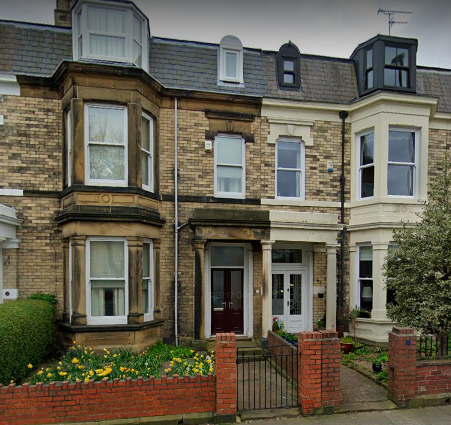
x: 107, y: 21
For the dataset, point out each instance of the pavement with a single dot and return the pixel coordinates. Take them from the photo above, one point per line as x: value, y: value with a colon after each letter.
x: 438, y: 415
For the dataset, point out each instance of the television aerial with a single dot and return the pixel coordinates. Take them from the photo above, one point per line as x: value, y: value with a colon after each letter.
x: 390, y: 14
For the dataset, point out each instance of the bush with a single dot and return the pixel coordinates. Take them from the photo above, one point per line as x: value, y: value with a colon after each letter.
x: 26, y: 329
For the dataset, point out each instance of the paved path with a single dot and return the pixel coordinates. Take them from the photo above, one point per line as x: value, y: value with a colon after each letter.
x: 360, y: 393
x: 440, y: 415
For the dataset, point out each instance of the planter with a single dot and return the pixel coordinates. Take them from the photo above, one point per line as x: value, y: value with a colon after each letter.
x: 347, y: 347
x: 340, y: 330
x: 377, y: 367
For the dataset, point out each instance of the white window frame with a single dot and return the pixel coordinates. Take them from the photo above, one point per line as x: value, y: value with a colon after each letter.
x: 361, y: 167
x: 149, y: 153
x: 69, y: 146
x: 105, y: 320
x: 149, y: 316
x: 359, y: 279
x: 80, y: 30
x: 231, y: 44
x: 414, y: 164
x: 301, y: 196
x: 242, y: 193
x: 104, y: 182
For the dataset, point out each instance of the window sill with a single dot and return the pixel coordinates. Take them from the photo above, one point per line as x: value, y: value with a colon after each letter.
x: 111, y: 328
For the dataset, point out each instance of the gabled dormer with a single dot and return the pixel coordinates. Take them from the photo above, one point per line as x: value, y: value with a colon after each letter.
x: 113, y: 31
x: 386, y: 63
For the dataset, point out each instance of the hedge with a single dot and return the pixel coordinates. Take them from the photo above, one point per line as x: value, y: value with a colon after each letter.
x: 26, y: 329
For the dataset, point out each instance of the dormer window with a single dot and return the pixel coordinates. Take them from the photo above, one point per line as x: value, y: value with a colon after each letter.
x: 116, y: 32
x: 231, y: 60
x: 386, y: 63
x: 288, y: 67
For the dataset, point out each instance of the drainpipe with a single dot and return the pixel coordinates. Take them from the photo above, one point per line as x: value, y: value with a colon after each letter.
x: 176, y: 225
x: 341, y: 287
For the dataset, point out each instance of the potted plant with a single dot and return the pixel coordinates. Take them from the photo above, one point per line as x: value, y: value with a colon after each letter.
x: 342, y: 321
x: 347, y: 344
x: 354, y: 314
x: 377, y: 366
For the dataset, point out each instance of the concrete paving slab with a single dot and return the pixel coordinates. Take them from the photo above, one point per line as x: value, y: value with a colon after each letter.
x: 367, y: 406
x: 356, y: 388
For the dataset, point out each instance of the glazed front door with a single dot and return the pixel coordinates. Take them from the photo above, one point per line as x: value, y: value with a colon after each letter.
x: 288, y: 299
x: 227, y: 300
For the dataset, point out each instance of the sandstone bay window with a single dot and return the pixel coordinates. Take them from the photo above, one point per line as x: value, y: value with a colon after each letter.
x: 290, y: 169
x: 107, y: 280
x: 366, y: 165
x: 365, y: 282
x: 402, y: 159
x: 230, y: 163
x: 69, y: 146
x: 106, y: 145
x: 146, y: 152
x: 111, y: 31
x: 147, y: 288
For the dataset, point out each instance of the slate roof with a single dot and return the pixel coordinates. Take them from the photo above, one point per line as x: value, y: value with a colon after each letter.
x: 33, y: 49
x: 38, y: 49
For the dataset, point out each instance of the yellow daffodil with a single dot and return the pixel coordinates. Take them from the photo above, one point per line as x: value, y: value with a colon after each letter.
x: 49, y: 375
x: 30, y: 366
x: 40, y: 372
x: 74, y: 360
x: 63, y: 373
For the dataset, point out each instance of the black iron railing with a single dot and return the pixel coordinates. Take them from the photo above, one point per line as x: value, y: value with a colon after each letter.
x: 267, y: 379
x: 434, y: 347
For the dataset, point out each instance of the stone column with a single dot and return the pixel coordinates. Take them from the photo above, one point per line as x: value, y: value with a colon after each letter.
x: 78, y: 141
x: 156, y: 278
x: 67, y: 283
x: 134, y: 144
x: 331, y: 288
x: 79, y: 280
x: 199, y: 288
x: 135, y: 282
x: 379, y: 292
x: 266, y: 287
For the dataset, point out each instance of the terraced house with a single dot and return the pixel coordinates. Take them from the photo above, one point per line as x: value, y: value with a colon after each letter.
x: 174, y: 189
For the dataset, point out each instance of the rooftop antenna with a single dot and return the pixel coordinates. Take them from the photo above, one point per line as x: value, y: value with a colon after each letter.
x: 390, y: 14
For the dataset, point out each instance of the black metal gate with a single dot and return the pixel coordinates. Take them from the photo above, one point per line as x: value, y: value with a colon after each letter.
x: 267, y: 379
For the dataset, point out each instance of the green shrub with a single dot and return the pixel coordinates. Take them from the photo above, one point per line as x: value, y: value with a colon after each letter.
x: 44, y: 297
x: 26, y: 329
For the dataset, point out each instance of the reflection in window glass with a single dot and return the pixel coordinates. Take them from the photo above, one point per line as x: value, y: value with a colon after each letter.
x: 366, y: 165
x: 223, y: 256
x: 287, y: 255
x: 289, y: 169
x: 277, y: 295
x: 366, y: 277
x: 295, y: 294
x: 218, y: 290
x: 229, y: 172
x: 231, y: 65
x: 401, y: 163
x: 288, y: 78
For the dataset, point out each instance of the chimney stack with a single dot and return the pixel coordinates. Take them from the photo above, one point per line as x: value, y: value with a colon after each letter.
x: 63, y: 16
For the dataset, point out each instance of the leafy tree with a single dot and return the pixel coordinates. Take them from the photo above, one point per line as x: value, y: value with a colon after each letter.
x: 418, y: 270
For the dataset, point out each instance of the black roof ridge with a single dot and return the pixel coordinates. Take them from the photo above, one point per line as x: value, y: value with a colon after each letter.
x: 35, y: 24
x: 433, y: 68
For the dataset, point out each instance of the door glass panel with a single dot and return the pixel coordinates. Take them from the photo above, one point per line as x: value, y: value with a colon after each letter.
x: 295, y: 294
x: 277, y: 294
x: 236, y: 295
x: 218, y: 290
x: 232, y: 256
x: 287, y: 255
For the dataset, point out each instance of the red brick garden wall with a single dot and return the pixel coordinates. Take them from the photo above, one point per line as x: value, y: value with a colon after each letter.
x: 408, y: 378
x: 119, y: 399
x: 94, y: 401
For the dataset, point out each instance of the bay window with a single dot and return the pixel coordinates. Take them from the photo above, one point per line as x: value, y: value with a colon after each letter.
x: 147, y: 280
x: 106, y: 145
x: 146, y: 152
x: 290, y: 169
x: 107, y: 280
x: 365, y: 277
x: 110, y: 31
x: 229, y: 166
x: 401, y: 172
x: 366, y: 165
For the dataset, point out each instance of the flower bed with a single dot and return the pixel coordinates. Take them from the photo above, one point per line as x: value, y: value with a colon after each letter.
x: 84, y: 364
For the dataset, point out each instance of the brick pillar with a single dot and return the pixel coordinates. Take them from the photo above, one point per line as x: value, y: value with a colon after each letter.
x: 226, y: 379
x: 330, y: 371
x: 319, y: 372
x: 402, y: 373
